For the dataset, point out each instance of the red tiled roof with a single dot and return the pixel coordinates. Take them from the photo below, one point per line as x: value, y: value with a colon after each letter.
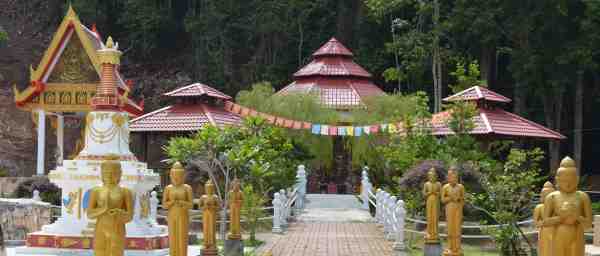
x: 477, y: 93
x: 333, y: 47
x: 339, y: 82
x: 183, y: 117
x: 340, y: 93
x: 332, y: 66
x: 197, y: 89
x: 499, y: 122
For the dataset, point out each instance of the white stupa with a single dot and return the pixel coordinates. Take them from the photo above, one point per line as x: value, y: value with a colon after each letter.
x: 106, y: 133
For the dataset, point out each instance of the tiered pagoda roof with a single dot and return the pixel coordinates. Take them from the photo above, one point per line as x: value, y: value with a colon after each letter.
x: 491, y: 120
x: 70, y: 65
x: 198, y: 105
x: 335, y: 77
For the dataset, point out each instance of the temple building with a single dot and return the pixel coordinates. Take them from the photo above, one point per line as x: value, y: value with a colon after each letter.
x: 194, y: 106
x: 333, y: 75
x: 62, y: 86
x: 491, y: 121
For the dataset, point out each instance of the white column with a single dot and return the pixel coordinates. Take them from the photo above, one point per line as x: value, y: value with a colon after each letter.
x: 60, y: 131
x: 365, y: 188
x: 41, y: 141
x: 378, y: 208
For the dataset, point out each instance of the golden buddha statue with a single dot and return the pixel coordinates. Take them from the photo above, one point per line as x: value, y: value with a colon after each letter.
x: 177, y: 199
x: 209, y: 204
x: 568, y: 211
x: 111, y: 206
x: 431, y: 191
x: 453, y: 196
x: 545, y: 233
x: 235, y: 207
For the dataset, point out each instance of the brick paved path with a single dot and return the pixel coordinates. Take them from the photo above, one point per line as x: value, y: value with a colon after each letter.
x: 331, y: 225
x: 330, y: 239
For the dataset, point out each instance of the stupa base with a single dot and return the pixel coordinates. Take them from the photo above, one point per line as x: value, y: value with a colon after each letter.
x: 47, y: 244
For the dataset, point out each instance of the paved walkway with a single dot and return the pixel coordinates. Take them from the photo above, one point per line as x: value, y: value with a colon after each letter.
x: 331, y: 225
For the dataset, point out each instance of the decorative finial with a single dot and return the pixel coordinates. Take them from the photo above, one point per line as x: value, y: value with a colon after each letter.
x: 567, y: 162
x: 71, y: 11
x: 109, y: 42
x: 548, y: 184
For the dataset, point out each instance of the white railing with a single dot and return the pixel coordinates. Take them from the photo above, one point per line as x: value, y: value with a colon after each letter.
x: 285, y: 201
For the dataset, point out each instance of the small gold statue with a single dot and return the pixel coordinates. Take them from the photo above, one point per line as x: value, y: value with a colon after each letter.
x: 568, y: 211
x: 177, y: 199
x: 112, y: 207
x: 209, y: 204
x: 431, y: 191
x: 545, y: 232
x: 235, y: 207
x: 453, y: 196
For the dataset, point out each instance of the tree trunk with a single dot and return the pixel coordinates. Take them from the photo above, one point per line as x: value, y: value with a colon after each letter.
x: 553, y: 101
x: 488, y: 65
x: 436, y: 68
x: 578, y: 133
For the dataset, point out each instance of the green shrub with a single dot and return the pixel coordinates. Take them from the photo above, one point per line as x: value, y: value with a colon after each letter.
x: 48, y: 191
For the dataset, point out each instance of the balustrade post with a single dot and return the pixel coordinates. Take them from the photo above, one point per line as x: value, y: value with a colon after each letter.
x: 386, y: 213
x: 284, y: 205
x: 301, y: 185
x: 365, y: 188
x: 277, y: 214
x: 153, y: 207
x: 398, y: 245
x: 392, y: 221
x: 378, y: 206
x: 36, y: 195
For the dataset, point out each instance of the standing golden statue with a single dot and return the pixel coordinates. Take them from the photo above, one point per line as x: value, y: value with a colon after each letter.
x: 568, y: 211
x: 112, y: 207
x: 431, y: 191
x: 235, y: 207
x: 209, y: 204
x: 545, y: 233
x: 177, y: 199
x: 453, y: 196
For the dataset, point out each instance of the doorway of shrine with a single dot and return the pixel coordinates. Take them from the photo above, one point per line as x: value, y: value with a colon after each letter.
x: 340, y: 178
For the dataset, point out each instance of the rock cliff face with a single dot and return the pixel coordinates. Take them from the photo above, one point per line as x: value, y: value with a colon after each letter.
x: 29, y: 31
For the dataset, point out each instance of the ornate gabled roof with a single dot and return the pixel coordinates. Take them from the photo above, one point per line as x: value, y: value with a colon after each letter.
x: 496, y: 121
x: 69, y: 29
x: 333, y: 47
x: 477, y: 93
x: 196, y: 90
x: 339, y: 82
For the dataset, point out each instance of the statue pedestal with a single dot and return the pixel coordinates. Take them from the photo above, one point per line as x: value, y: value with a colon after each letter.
x: 432, y: 249
x: 449, y: 253
x: 234, y: 248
